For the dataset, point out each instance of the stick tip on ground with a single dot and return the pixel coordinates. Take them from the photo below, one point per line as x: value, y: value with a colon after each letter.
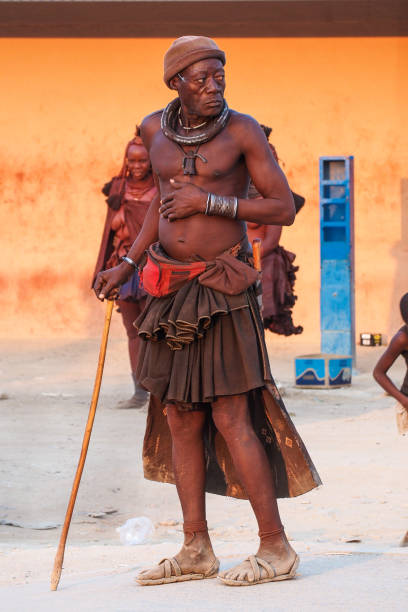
x: 55, y: 578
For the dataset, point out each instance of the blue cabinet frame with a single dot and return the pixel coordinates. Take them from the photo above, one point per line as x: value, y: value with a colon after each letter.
x: 337, y: 308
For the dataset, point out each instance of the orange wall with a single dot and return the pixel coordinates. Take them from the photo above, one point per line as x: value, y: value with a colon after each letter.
x: 69, y: 106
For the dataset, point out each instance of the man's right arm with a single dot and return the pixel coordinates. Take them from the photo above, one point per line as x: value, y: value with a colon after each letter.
x: 108, y: 281
x: 149, y: 232
x: 150, y: 229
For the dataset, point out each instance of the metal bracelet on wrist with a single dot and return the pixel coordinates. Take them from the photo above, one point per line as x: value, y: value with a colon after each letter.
x: 207, y: 205
x: 130, y: 262
x: 223, y: 206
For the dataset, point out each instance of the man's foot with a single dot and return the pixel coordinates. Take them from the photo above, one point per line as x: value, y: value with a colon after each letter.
x: 195, y: 561
x: 138, y: 400
x: 271, y: 563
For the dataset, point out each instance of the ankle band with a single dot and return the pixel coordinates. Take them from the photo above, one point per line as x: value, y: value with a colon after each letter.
x: 195, y: 526
x: 267, y: 534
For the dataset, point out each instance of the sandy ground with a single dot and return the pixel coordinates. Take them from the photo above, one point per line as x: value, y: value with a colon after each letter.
x: 347, y: 532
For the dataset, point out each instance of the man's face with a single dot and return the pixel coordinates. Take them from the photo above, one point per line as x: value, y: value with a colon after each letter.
x: 201, y: 87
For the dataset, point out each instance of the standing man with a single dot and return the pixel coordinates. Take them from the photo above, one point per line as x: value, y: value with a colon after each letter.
x: 216, y: 422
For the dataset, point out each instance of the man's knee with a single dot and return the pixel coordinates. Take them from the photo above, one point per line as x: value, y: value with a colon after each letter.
x: 185, y: 424
x: 231, y: 416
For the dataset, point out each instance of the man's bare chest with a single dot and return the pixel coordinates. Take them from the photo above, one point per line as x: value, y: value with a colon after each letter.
x: 212, y: 160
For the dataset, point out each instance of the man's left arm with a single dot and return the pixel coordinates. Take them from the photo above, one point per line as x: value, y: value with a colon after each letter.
x: 276, y: 207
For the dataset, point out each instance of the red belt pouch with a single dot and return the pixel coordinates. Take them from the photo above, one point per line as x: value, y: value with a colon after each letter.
x: 161, y: 278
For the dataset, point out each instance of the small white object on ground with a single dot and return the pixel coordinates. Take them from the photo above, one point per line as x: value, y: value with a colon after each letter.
x: 135, y: 531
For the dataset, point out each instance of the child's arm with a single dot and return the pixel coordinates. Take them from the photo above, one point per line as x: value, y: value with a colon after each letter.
x: 398, y: 344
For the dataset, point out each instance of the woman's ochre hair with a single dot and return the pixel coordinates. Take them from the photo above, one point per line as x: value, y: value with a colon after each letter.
x: 267, y: 130
x: 136, y: 140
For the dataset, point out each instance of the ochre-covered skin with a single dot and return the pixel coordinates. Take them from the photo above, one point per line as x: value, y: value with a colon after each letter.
x: 212, y: 394
x: 278, y: 279
x: 122, y: 225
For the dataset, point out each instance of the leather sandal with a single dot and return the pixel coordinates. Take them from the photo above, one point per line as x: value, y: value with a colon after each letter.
x: 172, y: 573
x: 256, y: 564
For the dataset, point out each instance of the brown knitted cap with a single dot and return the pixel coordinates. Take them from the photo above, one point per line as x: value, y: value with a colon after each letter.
x: 187, y: 50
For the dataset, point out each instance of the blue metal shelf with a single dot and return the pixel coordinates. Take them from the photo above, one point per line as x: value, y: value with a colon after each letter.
x: 337, y: 255
x: 330, y: 182
x: 332, y: 223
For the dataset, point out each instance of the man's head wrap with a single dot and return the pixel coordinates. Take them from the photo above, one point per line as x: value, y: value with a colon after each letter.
x: 188, y: 50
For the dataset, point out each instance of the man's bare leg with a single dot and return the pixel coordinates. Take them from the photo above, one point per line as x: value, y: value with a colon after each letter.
x: 233, y: 421
x: 196, y: 554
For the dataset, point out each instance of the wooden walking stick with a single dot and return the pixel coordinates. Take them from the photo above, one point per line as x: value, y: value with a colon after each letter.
x: 59, y: 557
x: 256, y: 251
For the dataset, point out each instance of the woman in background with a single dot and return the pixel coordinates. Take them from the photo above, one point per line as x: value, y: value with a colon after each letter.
x: 128, y: 198
x: 278, y: 271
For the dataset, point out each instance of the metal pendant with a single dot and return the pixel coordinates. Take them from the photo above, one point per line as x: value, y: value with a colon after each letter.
x: 189, y: 166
